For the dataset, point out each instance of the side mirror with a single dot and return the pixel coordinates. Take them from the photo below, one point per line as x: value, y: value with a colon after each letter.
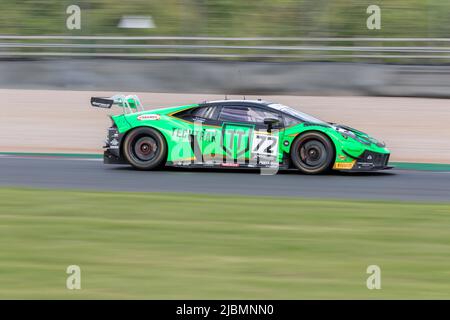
x: 270, y: 122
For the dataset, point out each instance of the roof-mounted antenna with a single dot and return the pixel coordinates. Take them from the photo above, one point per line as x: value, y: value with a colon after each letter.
x: 244, y: 97
x: 226, y: 97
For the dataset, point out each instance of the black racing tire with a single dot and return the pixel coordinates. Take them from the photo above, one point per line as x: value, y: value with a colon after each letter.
x: 145, y: 148
x: 313, y: 153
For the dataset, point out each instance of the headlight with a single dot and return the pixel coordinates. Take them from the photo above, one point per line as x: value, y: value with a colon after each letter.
x: 361, y: 140
x: 348, y: 134
x: 377, y: 143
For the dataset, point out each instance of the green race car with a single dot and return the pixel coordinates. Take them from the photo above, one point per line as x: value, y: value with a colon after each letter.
x: 235, y: 134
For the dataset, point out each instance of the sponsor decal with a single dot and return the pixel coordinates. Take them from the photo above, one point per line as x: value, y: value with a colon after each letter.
x: 184, y: 163
x: 114, y: 142
x: 343, y: 165
x: 206, y: 135
x: 148, y: 117
x: 341, y: 157
x: 228, y: 164
x: 267, y: 163
x: 101, y: 102
x: 100, y: 105
x: 235, y: 139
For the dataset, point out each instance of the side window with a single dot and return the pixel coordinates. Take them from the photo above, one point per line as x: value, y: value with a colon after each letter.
x: 246, y: 114
x: 235, y: 114
x: 204, y: 112
x: 290, y: 121
x: 258, y: 115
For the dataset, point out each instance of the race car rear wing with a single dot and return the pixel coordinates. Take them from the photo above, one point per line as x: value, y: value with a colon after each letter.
x: 129, y: 104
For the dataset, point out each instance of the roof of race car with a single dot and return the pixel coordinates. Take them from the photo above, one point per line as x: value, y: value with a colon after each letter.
x: 261, y: 102
x: 273, y: 106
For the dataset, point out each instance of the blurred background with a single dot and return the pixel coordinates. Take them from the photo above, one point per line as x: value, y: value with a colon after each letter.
x: 224, y: 46
x: 229, y: 18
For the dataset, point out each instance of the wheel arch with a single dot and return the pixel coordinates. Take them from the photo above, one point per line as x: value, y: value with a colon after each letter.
x: 126, y: 133
x: 331, y: 138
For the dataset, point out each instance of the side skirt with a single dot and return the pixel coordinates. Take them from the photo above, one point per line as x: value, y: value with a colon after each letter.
x: 220, y: 165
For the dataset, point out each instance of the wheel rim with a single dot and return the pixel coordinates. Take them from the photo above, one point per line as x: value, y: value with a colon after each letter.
x: 313, y: 154
x: 145, y: 148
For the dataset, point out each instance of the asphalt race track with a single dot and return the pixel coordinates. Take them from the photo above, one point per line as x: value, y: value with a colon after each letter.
x: 87, y: 174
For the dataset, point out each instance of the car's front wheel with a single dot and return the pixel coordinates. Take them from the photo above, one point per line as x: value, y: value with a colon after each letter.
x: 145, y: 148
x: 312, y: 153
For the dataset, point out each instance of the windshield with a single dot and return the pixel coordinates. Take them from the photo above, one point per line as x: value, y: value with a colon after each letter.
x: 295, y: 113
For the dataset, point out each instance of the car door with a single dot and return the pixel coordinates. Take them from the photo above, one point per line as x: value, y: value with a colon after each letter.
x: 195, y: 134
x: 206, y: 143
x: 245, y: 138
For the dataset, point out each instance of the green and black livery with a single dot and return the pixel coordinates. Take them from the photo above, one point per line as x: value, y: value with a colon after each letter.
x: 235, y: 134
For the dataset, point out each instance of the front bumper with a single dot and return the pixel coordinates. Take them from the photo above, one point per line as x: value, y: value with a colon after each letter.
x: 368, y: 161
x: 365, y: 168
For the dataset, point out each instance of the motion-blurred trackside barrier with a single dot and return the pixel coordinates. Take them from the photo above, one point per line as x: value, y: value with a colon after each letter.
x: 403, y: 50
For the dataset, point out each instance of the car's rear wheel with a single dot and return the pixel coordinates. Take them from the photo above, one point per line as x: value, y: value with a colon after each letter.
x: 312, y: 153
x: 145, y: 148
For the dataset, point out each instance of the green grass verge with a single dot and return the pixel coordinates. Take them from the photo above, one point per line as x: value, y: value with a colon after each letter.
x: 167, y: 246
